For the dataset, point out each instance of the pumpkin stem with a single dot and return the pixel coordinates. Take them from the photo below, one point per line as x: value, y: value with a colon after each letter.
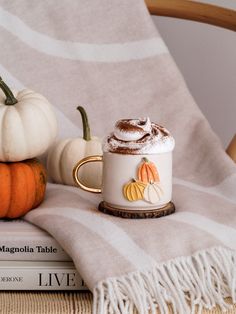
x: 10, y: 98
x: 86, y: 128
x: 145, y: 159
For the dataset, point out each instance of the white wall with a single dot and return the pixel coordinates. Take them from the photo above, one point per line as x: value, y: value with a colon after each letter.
x: 206, y: 56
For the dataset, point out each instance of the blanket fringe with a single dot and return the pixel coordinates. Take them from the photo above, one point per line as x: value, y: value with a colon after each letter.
x: 191, y: 283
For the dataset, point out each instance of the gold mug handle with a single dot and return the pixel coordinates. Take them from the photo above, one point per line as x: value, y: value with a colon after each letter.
x: 82, y: 162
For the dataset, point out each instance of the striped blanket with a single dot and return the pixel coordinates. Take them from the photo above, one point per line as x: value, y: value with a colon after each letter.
x: 108, y: 56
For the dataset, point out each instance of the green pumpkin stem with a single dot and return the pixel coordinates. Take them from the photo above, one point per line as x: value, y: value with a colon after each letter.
x: 10, y: 98
x: 145, y: 159
x: 86, y: 128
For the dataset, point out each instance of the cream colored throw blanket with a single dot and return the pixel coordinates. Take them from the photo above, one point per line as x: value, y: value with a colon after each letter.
x: 108, y: 56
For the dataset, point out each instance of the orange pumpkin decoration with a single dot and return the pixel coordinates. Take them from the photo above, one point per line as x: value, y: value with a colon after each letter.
x: 133, y: 190
x: 147, y: 172
x: 22, y: 187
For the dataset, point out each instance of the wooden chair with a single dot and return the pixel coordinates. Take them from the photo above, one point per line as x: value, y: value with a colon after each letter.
x: 200, y: 12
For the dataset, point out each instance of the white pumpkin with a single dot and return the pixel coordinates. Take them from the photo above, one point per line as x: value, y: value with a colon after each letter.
x: 27, y: 123
x: 153, y: 192
x: 65, y: 154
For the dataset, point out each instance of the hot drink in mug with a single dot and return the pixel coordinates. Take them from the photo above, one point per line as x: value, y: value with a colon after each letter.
x: 137, y: 166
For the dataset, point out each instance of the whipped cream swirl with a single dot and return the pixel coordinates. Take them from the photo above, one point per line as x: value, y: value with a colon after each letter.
x: 137, y: 137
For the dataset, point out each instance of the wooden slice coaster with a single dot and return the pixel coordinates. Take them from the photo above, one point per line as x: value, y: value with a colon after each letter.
x: 137, y: 214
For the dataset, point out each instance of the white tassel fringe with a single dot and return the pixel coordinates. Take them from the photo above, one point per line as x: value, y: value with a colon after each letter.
x: 186, y: 283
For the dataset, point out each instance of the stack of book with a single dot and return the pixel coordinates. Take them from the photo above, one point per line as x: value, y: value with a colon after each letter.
x: 31, y: 259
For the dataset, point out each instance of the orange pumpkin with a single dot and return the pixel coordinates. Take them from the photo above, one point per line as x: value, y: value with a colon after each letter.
x: 147, y: 172
x: 133, y: 190
x: 22, y: 187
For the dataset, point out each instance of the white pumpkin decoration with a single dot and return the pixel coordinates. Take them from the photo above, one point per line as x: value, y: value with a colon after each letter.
x: 153, y: 192
x: 27, y: 123
x: 65, y: 154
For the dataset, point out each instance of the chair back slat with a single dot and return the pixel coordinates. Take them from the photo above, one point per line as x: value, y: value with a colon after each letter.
x: 195, y: 11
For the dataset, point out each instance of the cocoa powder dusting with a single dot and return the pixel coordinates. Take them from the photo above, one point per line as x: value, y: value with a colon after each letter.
x: 138, y: 136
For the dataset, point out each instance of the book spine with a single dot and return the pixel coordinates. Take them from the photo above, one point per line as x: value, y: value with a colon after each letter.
x: 31, y: 249
x: 41, y: 279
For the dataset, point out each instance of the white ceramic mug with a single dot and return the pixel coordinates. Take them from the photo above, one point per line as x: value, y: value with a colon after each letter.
x: 132, y: 182
x: 137, y: 166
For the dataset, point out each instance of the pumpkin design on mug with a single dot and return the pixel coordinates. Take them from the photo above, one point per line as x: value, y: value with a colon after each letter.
x: 147, y: 187
x: 134, y: 190
x: 153, y: 192
x: 147, y: 171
